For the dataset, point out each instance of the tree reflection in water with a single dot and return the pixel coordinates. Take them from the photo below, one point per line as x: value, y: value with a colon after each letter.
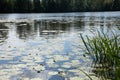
x: 3, y: 32
x: 45, y: 28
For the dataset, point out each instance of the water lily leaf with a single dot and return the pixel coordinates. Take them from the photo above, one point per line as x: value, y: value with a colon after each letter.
x: 38, y: 59
x: 76, y: 78
x: 50, y: 61
x: 75, y: 62
x: 4, y: 77
x: 3, y: 72
x: 25, y: 79
x: 36, y: 79
x: 63, y: 73
x: 74, y: 70
x: 53, y: 65
x: 61, y: 58
x: 66, y: 66
x: 52, y: 73
x: 39, y: 67
x: 6, y: 57
x: 18, y: 66
x: 94, y: 78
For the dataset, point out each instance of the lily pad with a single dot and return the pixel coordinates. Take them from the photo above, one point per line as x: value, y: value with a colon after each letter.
x: 39, y: 67
x: 25, y: 79
x: 36, y: 79
x: 52, y: 73
x: 61, y: 58
x: 66, y: 66
x: 76, y: 78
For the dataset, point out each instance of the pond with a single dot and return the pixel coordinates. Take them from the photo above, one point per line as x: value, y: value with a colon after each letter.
x: 48, y: 46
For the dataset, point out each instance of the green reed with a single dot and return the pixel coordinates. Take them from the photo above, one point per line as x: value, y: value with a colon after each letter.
x: 105, y: 51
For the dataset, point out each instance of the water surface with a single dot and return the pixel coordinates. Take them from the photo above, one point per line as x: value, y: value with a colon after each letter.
x: 48, y: 46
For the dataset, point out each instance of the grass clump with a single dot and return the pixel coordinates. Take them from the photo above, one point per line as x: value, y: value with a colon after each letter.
x: 105, y: 51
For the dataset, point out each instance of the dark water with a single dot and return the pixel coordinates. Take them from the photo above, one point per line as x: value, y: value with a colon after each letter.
x: 48, y: 46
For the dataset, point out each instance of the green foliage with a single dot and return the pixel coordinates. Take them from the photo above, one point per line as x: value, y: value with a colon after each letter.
x: 86, y: 74
x: 51, y: 6
x: 37, y: 6
x: 116, y: 5
x: 26, y: 6
x: 106, y: 53
x: 22, y: 6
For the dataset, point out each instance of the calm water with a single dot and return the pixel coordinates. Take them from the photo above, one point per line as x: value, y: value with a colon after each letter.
x: 48, y: 46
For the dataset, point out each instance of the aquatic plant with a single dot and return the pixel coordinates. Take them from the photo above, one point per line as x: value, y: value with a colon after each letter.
x: 105, y: 51
x: 118, y: 28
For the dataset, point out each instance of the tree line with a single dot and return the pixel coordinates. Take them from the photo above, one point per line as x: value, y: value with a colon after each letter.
x: 44, y: 6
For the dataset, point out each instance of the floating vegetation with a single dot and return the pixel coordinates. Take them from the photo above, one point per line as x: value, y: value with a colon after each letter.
x: 50, y: 61
x: 52, y: 73
x: 75, y: 63
x: 35, y: 79
x: 26, y: 79
x: 53, y: 65
x: 38, y: 68
x: 44, y: 47
x: 60, y: 57
x: 66, y: 66
x: 63, y: 73
x: 118, y: 27
x: 76, y: 78
x: 75, y: 71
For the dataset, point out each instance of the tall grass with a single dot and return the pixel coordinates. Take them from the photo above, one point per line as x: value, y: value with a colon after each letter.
x: 106, y: 54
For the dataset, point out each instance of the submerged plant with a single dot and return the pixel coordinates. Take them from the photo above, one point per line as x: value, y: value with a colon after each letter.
x: 119, y: 28
x: 105, y: 51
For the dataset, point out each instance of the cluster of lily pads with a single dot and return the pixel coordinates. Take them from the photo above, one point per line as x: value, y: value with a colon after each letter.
x: 45, y: 61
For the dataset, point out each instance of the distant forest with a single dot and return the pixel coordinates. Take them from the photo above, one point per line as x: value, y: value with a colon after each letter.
x: 49, y: 6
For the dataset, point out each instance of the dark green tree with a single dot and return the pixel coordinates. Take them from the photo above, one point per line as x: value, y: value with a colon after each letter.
x: 79, y: 5
x: 116, y: 5
x: 3, y: 6
x: 37, y: 6
x: 51, y: 6
x: 10, y: 5
x: 64, y: 6
x: 23, y: 6
x: 107, y: 5
x: 44, y: 4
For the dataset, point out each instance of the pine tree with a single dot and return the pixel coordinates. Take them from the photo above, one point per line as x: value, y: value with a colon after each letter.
x: 37, y: 6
